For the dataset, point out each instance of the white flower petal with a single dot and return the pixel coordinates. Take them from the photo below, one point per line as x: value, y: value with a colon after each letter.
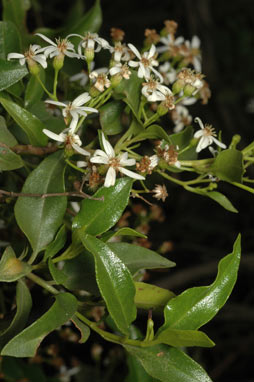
x: 110, y: 177
x: 99, y: 159
x: 80, y: 150
x: 57, y: 103
x: 56, y: 137
x: 195, y: 42
x: 218, y: 143
x: 81, y: 99
x: 131, y: 174
x: 15, y: 55
x: 134, y: 50
x: 198, y: 120
x: 107, y: 147
x: 45, y: 38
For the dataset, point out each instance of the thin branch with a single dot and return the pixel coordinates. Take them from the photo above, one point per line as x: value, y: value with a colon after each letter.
x: 34, y: 150
x: 79, y: 194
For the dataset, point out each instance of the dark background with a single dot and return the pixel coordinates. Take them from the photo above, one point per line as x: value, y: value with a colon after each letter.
x: 201, y: 231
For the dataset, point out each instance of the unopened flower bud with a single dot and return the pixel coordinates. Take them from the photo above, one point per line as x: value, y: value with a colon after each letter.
x: 94, y: 92
x: 58, y: 61
x: 188, y: 90
x: 178, y: 85
x: 33, y: 67
x: 115, y: 80
x: 162, y: 109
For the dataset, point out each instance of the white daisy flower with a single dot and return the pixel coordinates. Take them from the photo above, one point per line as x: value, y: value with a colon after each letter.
x: 155, y: 91
x: 120, y: 52
x: 206, y: 136
x: 60, y: 47
x: 90, y: 41
x: 33, y: 54
x: 115, y: 163
x: 193, y: 52
x: 146, y: 62
x: 121, y: 69
x: 181, y: 118
x: 75, y: 109
x: 170, y: 43
x: 69, y: 139
x: 101, y: 79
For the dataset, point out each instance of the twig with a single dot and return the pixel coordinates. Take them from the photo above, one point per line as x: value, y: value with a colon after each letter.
x: 79, y: 194
x: 34, y: 150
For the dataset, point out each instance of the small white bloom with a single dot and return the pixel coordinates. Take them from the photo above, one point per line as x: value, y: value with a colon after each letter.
x: 170, y: 43
x: 192, y: 51
x: 181, y: 118
x: 146, y: 62
x: 101, y: 79
x: 82, y: 77
x: 206, y: 136
x: 75, y: 108
x: 120, y: 52
x: 61, y: 46
x: 155, y: 91
x: 168, y: 73
x: 33, y: 54
x: 115, y: 163
x: 90, y: 41
x: 69, y: 139
x: 121, y: 69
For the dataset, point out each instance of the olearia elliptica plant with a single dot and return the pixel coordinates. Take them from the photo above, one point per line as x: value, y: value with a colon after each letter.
x: 77, y: 143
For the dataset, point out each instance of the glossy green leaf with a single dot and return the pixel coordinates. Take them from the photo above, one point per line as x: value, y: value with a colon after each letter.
x: 24, y: 305
x: 152, y: 132
x: 131, y: 89
x: 8, y: 159
x: 15, y: 11
x: 9, y: 39
x: 84, y: 329
x: 34, y: 91
x: 26, y: 343
x: 110, y: 117
x: 136, y: 257
x: 151, y: 296
x: 11, y: 268
x: 228, y: 165
x: 28, y: 122
x: 57, y: 274
x: 74, y: 13
x: 10, y: 73
x: 168, y: 364
x: 90, y: 22
x: 98, y: 216
x: 80, y: 273
x: 196, y: 306
x: 6, y: 136
x: 57, y: 244
x: 114, y: 281
x: 183, y: 138
x: 40, y: 218
x: 217, y: 197
x: 15, y: 369
x: 186, y: 338
x: 136, y: 371
x: 124, y: 231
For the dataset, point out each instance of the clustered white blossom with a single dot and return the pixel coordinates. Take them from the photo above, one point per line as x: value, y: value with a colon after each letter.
x: 155, y: 88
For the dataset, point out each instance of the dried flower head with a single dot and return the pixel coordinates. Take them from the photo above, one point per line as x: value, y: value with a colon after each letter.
x: 169, y: 154
x: 152, y: 37
x: 117, y: 34
x: 171, y: 26
x: 160, y: 192
x: 147, y: 164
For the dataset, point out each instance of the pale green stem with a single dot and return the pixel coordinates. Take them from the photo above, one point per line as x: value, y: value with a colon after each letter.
x: 248, y: 149
x: 44, y: 284
x: 45, y: 89
x: 33, y: 257
x: 55, y: 83
x: 243, y: 186
x: 75, y: 167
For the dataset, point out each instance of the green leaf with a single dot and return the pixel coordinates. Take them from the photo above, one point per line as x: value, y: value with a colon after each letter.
x: 136, y: 371
x: 179, y: 338
x: 26, y: 343
x: 114, y: 281
x: 110, y: 117
x: 136, y: 257
x: 10, y: 73
x: 57, y: 244
x: 24, y: 305
x: 8, y: 159
x: 90, y: 22
x: 57, y: 274
x: 168, y: 364
x: 27, y: 121
x: 84, y: 329
x: 40, y: 218
x: 80, y: 273
x: 98, y: 216
x: 124, y: 231
x: 11, y: 268
x: 5, y: 136
x: 9, y: 39
x: 34, y: 91
x: 151, y: 297
x: 228, y: 165
x: 183, y: 138
x: 131, y: 90
x: 15, y: 11
x: 196, y: 306
x: 152, y: 132
x: 221, y: 199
